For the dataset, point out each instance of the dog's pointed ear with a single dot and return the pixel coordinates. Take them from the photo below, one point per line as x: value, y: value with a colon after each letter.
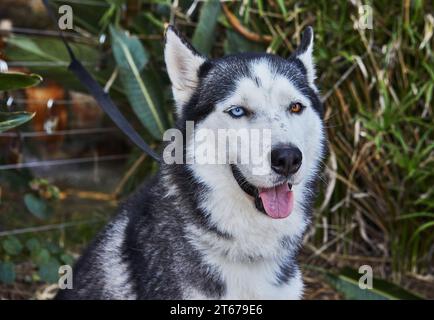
x: 304, y: 53
x: 183, y: 63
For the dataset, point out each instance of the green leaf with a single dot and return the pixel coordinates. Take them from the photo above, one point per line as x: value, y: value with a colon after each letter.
x: 49, y: 271
x: 421, y: 228
x: 7, y: 272
x: 33, y: 245
x: 131, y: 59
x: 87, y: 13
x: 260, y: 7
x: 48, y: 50
x: 154, y: 20
x: 204, y: 34
x: 12, y: 246
x: 347, y: 283
x: 41, y: 256
x: 50, y: 59
x: 9, y: 120
x: 416, y: 215
x: 18, y: 80
x: 53, y: 248
x: 235, y: 43
x: 282, y: 7
x: 67, y: 259
x: 37, y: 206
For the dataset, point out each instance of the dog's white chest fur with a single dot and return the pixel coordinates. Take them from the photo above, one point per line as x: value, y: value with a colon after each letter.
x: 250, y: 260
x: 255, y: 281
x: 245, y: 279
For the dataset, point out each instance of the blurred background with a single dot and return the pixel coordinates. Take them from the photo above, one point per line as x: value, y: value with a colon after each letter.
x: 64, y: 166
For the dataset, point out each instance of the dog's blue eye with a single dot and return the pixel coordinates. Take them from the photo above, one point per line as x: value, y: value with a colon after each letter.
x: 237, y: 112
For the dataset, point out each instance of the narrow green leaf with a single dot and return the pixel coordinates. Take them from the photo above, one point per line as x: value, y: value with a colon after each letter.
x: 429, y: 68
x: 235, y: 43
x: 154, y: 20
x: 53, y: 58
x: 421, y: 228
x: 9, y: 120
x: 131, y: 59
x: 282, y: 7
x: 18, y: 80
x: 204, y: 34
x: 260, y: 7
x: 347, y: 282
x: 416, y: 215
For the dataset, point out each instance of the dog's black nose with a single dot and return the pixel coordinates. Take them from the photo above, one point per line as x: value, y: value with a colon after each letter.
x: 286, y: 160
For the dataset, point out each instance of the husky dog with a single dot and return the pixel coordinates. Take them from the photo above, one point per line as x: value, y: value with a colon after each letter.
x: 219, y: 231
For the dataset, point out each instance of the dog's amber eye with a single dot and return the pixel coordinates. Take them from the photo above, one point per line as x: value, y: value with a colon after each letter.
x: 296, y: 107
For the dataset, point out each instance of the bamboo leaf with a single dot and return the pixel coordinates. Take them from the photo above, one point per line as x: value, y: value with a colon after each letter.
x: 347, y: 283
x: 282, y: 7
x: 235, y: 43
x: 47, y: 50
x: 18, y: 80
x: 204, y: 34
x: 131, y: 59
x: 9, y: 120
x: 49, y: 58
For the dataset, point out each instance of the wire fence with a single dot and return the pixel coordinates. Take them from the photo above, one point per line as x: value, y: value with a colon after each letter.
x: 73, y: 132
x: 10, y: 100
x: 60, y: 162
x: 47, y: 227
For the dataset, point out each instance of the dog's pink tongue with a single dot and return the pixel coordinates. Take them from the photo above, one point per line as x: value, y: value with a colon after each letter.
x: 278, y: 201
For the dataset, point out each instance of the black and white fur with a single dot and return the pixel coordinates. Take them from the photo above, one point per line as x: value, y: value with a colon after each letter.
x: 192, y: 232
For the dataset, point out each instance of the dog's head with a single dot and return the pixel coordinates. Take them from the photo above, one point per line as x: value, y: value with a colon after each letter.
x: 253, y: 92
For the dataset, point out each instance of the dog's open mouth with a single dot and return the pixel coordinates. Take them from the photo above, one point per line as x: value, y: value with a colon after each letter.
x: 277, y: 202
